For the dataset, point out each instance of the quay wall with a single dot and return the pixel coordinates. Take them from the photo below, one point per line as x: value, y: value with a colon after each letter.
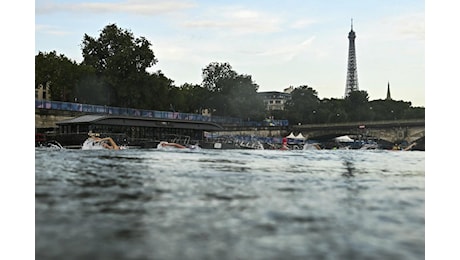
x: 46, y: 119
x: 260, y: 132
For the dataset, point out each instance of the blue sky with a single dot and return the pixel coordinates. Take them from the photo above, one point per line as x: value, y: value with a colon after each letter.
x: 279, y: 43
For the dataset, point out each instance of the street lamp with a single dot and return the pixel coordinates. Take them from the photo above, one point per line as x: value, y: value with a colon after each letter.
x: 371, y: 114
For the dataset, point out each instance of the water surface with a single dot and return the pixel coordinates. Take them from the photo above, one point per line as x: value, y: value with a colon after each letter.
x: 229, y: 204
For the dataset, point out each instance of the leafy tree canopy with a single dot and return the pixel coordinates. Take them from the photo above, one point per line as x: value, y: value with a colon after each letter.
x: 233, y: 94
x: 120, y: 60
x: 116, y: 50
x: 59, y: 72
x: 215, y: 73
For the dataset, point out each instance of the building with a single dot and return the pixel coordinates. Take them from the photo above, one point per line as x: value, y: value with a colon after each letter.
x: 274, y: 100
x: 289, y: 89
x: 352, y: 73
x: 43, y: 92
x: 132, y: 130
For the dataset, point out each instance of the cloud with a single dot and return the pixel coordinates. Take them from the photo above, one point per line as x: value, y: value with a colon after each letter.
x: 288, y: 52
x: 410, y: 26
x: 302, y: 23
x: 237, y: 20
x: 46, y: 29
x: 143, y: 7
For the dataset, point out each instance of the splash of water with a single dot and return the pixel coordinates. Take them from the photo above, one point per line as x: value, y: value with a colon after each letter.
x: 91, y: 144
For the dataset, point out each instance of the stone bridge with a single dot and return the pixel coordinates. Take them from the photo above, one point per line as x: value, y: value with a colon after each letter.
x: 395, y: 131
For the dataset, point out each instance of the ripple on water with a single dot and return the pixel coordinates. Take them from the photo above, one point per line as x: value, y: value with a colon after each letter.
x: 229, y: 204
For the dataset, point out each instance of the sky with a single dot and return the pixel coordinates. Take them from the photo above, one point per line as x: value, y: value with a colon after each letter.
x: 260, y: 38
x: 279, y: 43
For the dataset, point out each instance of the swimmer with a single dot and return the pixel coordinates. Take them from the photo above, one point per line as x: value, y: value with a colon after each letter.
x: 106, y: 142
x: 166, y: 144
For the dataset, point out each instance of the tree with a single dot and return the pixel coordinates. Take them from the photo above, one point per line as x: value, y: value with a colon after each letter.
x: 332, y: 111
x: 155, y: 93
x: 390, y: 109
x: 91, y: 88
x: 414, y: 112
x: 195, y: 99
x: 242, y: 98
x: 357, y: 106
x: 61, y: 73
x: 120, y: 60
x: 304, y: 105
x: 232, y: 94
x: 214, y: 73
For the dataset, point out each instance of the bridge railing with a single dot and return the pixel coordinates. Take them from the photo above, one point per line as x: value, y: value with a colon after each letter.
x: 363, y: 124
x: 123, y: 111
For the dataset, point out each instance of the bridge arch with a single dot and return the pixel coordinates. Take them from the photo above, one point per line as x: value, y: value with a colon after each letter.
x: 396, y: 131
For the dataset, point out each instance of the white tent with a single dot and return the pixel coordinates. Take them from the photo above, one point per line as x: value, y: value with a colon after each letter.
x: 343, y: 139
x: 300, y: 136
x: 291, y: 136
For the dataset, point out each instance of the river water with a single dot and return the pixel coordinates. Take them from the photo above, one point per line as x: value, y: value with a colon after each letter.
x: 229, y: 204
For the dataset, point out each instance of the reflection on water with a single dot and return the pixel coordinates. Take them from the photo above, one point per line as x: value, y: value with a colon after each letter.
x: 233, y: 204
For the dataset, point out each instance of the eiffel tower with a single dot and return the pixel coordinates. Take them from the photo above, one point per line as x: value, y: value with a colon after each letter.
x: 352, y: 73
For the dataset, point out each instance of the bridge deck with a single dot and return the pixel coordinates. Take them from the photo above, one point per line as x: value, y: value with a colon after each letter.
x: 363, y: 124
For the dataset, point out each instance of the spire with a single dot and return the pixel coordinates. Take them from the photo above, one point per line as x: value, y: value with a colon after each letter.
x: 352, y: 73
x: 388, y: 91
